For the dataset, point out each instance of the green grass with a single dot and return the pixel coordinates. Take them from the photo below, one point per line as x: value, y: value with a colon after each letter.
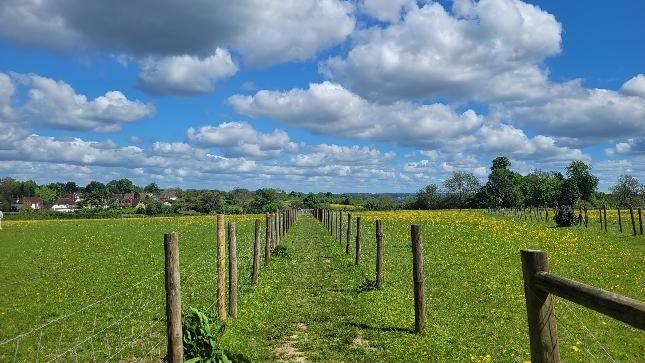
x: 310, y: 301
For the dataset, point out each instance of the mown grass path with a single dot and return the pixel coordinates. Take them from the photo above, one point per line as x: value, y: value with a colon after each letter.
x: 302, y: 309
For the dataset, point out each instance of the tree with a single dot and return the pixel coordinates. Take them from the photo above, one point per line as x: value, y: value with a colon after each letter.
x: 211, y: 202
x: 503, y: 188
x: 569, y: 193
x: 542, y: 188
x: 27, y: 188
x: 265, y: 200
x: 501, y: 162
x: 627, y: 190
x: 311, y: 201
x: 152, y: 188
x: 47, y: 194
x: 463, y: 184
x: 71, y: 188
x: 121, y: 186
x: 580, y: 174
x: 95, y: 194
x: 428, y: 197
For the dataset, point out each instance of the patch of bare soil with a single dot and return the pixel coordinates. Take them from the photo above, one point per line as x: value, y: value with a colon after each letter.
x: 288, y: 351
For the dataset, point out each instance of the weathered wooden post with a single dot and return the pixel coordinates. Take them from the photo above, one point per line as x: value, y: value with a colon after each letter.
x: 379, y: 254
x: 418, y: 279
x: 340, y: 228
x: 604, y: 207
x: 172, y: 279
x: 586, y: 219
x: 232, y: 271
x: 256, y: 253
x: 221, y: 268
x: 631, y: 214
x: 540, y: 311
x: 640, y: 220
x: 357, y: 257
x: 267, y: 240
x: 349, y: 232
x: 276, y: 230
x: 600, y: 217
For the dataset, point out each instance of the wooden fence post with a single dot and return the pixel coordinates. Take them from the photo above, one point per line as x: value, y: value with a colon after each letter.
x: 600, y: 217
x: 276, y: 230
x: 256, y: 253
x: 379, y: 254
x: 620, y: 221
x: 418, y: 279
x: 604, y: 207
x: 175, y: 346
x: 357, y: 257
x: 540, y: 311
x: 631, y: 214
x: 232, y: 271
x: 221, y: 268
x: 340, y: 228
x: 640, y: 220
x: 267, y: 240
x: 586, y: 219
x: 349, y: 232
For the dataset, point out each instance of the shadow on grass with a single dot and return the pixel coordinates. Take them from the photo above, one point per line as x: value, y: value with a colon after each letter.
x: 380, y: 328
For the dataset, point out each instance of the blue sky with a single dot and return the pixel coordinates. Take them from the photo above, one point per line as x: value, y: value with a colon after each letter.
x: 331, y: 95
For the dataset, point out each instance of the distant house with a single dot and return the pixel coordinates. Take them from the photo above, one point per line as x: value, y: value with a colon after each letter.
x: 65, y: 204
x: 28, y: 203
x: 129, y: 200
x: 168, y: 196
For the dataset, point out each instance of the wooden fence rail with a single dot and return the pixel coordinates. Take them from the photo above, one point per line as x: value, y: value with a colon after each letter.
x: 540, y: 287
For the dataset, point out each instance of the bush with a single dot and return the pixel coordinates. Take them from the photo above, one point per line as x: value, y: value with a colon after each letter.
x: 200, y: 344
x: 565, y: 216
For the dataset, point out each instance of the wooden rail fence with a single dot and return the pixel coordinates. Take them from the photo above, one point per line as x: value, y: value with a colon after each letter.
x: 540, y: 287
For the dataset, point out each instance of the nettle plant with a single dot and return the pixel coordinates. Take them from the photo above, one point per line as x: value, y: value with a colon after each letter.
x: 200, y: 344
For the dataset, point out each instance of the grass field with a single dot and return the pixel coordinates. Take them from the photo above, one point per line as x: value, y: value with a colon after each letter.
x: 308, y: 305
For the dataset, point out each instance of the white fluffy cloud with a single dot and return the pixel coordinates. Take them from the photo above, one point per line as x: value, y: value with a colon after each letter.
x: 56, y: 104
x: 488, y: 50
x: 264, y: 32
x: 185, y: 74
x: 635, y: 86
x: 598, y: 114
x: 236, y: 139
x: 631, y: 146
x: 330, y: 109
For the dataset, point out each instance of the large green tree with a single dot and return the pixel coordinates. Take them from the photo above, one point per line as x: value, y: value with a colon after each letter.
x: 121, y: 186
x: 95, y: 194
x: 542, y: 188
x: 504, y: 187
x: 46, y: 194
x: 265, y: 200
x: 580, y: 174
x: 462, y: 184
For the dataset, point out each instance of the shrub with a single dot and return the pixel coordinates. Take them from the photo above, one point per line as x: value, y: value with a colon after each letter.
x: 565, y: 217
x: 200, y: 344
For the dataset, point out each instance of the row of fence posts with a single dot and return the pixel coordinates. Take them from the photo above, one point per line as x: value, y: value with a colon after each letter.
x: 333, y: 223
x: 536, y: 213
x: 540, y: 288
x: 276, y: 226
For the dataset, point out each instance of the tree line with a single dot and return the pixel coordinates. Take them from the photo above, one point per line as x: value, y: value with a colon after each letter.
x: 575, y: 187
